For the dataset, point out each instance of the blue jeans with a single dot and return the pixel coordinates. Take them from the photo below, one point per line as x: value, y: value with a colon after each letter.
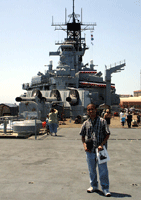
x: 53, y: 127
x: 103, y: 171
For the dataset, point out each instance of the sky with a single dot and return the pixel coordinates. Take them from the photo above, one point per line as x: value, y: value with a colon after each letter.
x: 27, y: 37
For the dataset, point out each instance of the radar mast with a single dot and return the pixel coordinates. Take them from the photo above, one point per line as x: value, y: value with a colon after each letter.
x: 74, y: 28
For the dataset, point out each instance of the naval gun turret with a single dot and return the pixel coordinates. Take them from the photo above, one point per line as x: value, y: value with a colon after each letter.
x: 71, y: 84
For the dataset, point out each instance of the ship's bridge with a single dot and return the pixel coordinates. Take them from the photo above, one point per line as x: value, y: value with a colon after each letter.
x: 67, y: 47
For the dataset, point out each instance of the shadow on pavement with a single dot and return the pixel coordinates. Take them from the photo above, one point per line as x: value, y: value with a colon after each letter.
x: 114, y: 194
x: 45, y: 136
x: 119, y: 195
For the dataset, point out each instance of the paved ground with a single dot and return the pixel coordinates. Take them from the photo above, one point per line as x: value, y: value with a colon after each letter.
x: 54, y: 168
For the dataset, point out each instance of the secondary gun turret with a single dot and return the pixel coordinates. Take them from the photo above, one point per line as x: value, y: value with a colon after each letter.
x: 73, y: 97
x: 35, y: 93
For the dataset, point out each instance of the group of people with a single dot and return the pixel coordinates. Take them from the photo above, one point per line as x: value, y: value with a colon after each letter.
x: 124, y: 117
x: 128, y: 117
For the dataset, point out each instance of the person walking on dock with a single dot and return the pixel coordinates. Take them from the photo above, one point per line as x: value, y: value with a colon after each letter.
x: 95, y: 129
x: 122, y: 118
x: 53, y: 121
x: 138, y: 118
x: 129, y: 119
x: 107, y: 117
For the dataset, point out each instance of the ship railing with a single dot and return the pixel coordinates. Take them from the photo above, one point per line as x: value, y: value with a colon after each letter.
x: 58, y: 24
x: 116, y: 64
x: 88, y: 23
x: 6, y: 126
x: 6, y: 123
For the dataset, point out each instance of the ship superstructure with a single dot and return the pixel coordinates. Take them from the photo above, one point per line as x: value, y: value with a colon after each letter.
x: 72, y: 84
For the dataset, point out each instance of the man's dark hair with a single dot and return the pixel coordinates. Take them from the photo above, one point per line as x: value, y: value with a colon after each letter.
x: 91, y: 104
x: 52, y: 110
x: 96, y: 106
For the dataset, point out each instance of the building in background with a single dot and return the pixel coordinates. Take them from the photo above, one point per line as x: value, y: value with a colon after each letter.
x: 8, y: 109
x: 125, y: 95
x: 131, y: 102
x: 137, y: 93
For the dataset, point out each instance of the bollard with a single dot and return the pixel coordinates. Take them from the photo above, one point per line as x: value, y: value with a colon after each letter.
x: 5, y: 125
x: 10, y: 123
x: 35, y: 130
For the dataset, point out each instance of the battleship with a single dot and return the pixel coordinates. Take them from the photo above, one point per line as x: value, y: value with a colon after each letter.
x: 71, y: 85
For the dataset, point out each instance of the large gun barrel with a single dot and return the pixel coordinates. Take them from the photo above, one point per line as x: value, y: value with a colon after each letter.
x: 71, y: 100
x: 73, y: 97
x: 50, y: 99
x: 35, y: 93
x: 19, y: 99
x: 47, y: 99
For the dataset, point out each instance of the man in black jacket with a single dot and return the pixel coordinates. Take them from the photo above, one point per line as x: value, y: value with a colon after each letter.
x: 129, y: 119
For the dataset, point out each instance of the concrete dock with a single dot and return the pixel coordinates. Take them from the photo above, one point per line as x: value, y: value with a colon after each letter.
x: 55, y: 168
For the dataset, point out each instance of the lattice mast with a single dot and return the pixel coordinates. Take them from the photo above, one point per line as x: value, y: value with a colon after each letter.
x: 74, y: 28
